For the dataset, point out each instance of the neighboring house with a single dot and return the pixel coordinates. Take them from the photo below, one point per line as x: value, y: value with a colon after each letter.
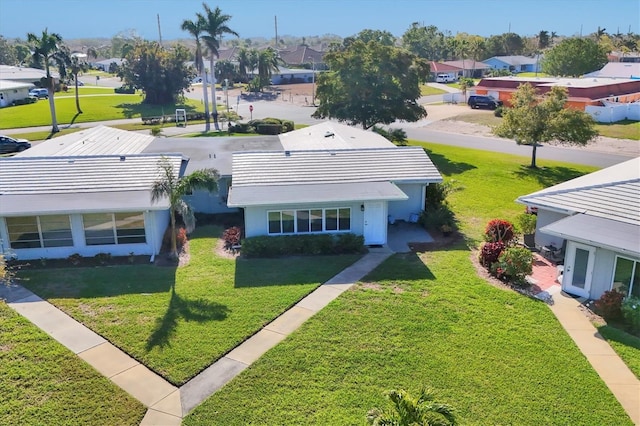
x: 291, y: 76
x: 25, y: 74
x: 347, y: 180
x: 11, y: 91
x: 624, y: 57
x: 582, y: 91
x: 596, y: 218
x: 469, y: 68
x: 52, y: 207
x: 625, y: 70
x: 514, y: 64
x: 439, y: 68
x: 106, y: 64
x: 303, y: 56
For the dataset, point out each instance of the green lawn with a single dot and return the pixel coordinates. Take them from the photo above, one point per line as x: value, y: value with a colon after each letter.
x: 622, y: 130
x: 95, y: 108
x: 626, y: 346
x: 43, y: 383
x: 428, y: 320
x: 179, y: 321
x: 426, y: 90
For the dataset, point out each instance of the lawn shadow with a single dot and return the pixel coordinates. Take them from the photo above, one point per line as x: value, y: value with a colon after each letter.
x: 446, y: 166
x: 265, y: 272
x: 199, y: 310
x: 548, y: 176
x: 401, y: 267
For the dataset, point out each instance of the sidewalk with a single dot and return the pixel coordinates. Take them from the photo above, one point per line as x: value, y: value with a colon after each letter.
x: 168, y: 404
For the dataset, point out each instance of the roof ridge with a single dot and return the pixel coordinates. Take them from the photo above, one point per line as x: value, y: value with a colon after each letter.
x: 543, y: 192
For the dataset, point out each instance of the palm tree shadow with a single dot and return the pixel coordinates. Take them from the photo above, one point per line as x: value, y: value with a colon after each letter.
x: 190, y: 310
x: 73, y: 120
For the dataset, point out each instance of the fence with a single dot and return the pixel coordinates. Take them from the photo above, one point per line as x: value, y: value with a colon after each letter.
x: 614, y: 112
x: 453, y: 98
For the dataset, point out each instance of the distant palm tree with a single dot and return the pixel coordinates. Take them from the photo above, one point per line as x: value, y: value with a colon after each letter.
x: 267, y: 64
x: 409, y: 411
x: 195, y: 28
x: 247, y: 62
x: 215, y: 26
x: 47, y: 49
x: 76, y: 65
x: 169, y: 185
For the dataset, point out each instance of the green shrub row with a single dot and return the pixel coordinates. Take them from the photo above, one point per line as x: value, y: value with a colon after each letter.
x: 25, y: 101
x: 265, y: 126
x: 311, y: 244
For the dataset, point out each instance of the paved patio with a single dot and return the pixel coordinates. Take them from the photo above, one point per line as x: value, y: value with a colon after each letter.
x: 401, y: 234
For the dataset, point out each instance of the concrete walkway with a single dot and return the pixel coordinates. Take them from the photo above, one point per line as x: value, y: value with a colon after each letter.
x: 624, y: 385
x: 168, y: 404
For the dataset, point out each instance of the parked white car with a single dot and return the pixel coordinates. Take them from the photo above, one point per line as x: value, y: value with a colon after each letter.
x: 445, y: 78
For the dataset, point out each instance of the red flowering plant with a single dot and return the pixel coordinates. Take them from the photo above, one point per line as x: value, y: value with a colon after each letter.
x: 499, y: 230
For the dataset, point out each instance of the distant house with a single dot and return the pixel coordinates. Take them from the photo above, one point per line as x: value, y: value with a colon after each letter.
x: 596, y: 218
x: 515, y: 64
x: 107, y: 64
x: 292, y: 76
x: 469, y: 68
x: 11, y: 91
x: 303, y: 56
x: 346, y: 180
x: 582, y: 91
x: 624, y: 70
x: 438, y: 68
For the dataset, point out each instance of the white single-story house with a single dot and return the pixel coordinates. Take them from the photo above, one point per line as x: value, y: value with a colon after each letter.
x: 11, y: 91
x: 52, y: 207
x: 596, y: 218
x: 622, y: 70
x: 24, y: 74
x: 291, y: 75
x: 347, y: 180
x: 89, y: 192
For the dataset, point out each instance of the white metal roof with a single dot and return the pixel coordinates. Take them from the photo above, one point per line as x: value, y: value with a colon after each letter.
x: 9, y: 72
x: 396, y: 164
x: 617, y: 70
x: 243, y: 196
x: 111, y: 181
x: 330, y: 135
x: 9, y: 85
x: 605, y: 233
x: 565, y: 81
x: 611, y: 193
x: 100, y: 140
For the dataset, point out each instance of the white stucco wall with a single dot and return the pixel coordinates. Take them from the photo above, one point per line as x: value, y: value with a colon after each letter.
x: 10, y: 95
x: 401, y: 210
x: 156, y: 223
x: 545, y: 217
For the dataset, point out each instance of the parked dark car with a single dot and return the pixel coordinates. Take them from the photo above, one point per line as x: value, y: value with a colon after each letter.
x: 477, y: 101
x: 9, y: 145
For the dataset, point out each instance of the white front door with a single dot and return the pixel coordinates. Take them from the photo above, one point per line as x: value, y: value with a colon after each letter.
x: 578, y: 269
x: 375, y: 224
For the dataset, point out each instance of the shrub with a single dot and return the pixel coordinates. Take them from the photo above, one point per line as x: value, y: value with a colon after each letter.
x: 527, y: 223
x: 231, y: 236
x: 75, y: 258
x: 311, y: 244
x: 609, y: 306
x: 156, y: 131
x: 437, y: 193
x: 514, y: 264
x: 103, y: 258
x: 498, y: 111
x: 499, y: 230
x: 490, y: 252
x: 181, y: 238
x: 269, y: 129
x: 127, y: 90
x: 242, y: 128
x: 287, y: 126
x: 631, y: 313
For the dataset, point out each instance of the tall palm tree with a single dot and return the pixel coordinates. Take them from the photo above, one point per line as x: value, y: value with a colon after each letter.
x: 195, y: 28
x: 47, y: 49
x: 215, y: 26
x: 75, y: 66
x: 267, y: 64
x: 169, y: 185
x: 247, y: 62
x: 410, y: 411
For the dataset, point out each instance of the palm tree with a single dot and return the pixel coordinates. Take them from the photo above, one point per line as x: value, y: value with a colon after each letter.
x: 409, y: 411
x: 169, y: 185
x: 195, y: 28
x: 215, y: 26
x: 75, y: 66
x: 267, y: 64
x: 46, y: 49
x: 247, y: 62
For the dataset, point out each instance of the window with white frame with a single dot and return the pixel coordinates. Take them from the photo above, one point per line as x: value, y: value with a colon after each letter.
x: 626, y: 276
x: 114, y: 228
x: 309, y: 220
x: 39, y: 231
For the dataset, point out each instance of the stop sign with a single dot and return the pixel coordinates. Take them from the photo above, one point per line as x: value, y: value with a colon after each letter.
x: 251, y: 108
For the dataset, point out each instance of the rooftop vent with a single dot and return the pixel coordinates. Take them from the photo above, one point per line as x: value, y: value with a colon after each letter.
x: 329, y: 134
x: 287, y: 153
x: 122, y: 158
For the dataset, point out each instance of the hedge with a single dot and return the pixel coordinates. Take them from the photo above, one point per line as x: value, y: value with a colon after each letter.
x: 310, y: 244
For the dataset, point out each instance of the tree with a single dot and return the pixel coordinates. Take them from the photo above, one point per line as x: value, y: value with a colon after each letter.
x: 370, y: 83
x: 424, y: 42
x: 172, y: 187
x: 574, y: 56
x: 195, y: 29
x: 47, y: 49
x: 533, y: 119
x: 75, y: 66
x: 410, y: 411
x: 160, y: 73
x: 215, y: 26
x: 247, y: 61
x: 543, y: 39
x: 267, y: 64
x: 7, y: 53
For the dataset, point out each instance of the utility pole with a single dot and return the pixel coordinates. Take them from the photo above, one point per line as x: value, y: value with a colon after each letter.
x: 276, y: 24
x: 159, y: 30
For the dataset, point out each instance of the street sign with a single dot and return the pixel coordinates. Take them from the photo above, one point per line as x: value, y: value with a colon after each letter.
x: 250, y: 108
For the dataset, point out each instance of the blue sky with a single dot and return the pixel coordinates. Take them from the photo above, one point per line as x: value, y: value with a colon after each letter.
x: 255, y: 18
